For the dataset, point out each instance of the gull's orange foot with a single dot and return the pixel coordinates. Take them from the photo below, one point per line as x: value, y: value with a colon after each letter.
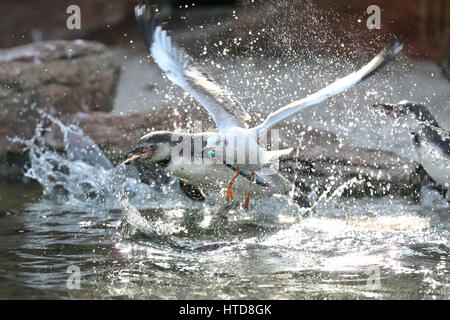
x: 230, y: 186
x: 247, y: 195
x: 247, y: 200
x: 229, y: 191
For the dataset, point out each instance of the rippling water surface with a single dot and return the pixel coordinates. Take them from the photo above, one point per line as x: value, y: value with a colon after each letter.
x: 133, y: 240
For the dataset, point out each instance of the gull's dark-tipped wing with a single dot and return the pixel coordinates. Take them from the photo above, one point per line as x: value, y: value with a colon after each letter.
x: 181, y: 70
x: 335, y: 88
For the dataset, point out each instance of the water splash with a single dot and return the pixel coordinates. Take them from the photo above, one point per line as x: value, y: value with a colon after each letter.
x: 324, y: 198
x: 80, y: 176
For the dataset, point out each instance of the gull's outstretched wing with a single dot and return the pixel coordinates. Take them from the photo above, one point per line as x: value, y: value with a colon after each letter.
x: 336, y: 87
x: 181, y: 70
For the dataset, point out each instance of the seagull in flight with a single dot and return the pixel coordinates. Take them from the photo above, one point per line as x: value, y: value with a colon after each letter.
x: 235, y: 144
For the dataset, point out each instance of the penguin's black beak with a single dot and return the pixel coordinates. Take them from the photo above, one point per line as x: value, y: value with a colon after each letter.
x: 136, y: 153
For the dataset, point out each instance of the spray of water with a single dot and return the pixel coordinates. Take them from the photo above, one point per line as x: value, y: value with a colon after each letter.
x: 80, y: 177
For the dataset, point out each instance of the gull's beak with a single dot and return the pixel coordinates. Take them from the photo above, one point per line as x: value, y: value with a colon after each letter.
x: 208, y: 148
x: 135, y: 154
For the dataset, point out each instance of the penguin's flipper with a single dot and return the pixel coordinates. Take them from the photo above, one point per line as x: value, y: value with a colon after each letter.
x: 192, y: 192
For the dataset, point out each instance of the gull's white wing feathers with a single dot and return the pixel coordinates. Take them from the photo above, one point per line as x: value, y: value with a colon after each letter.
x: 181, y: 70
x: 336, y: 87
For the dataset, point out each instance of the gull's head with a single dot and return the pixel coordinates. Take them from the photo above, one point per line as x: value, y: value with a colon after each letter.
x: 213, y: 142
x: 153, y: 147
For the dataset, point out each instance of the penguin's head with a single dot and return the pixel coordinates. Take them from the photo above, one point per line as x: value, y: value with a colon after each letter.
x: 415, y: 114
x: 153, y: 147
x: 391, y: 110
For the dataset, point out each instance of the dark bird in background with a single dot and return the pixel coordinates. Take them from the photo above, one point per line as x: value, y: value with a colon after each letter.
x: 431, y: 142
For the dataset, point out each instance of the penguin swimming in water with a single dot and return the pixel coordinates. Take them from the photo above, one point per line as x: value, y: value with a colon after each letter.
x: 431, y: 142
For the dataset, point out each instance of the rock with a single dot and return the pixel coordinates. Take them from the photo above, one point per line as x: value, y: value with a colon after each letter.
x: 116, y: 134
x: 58, y: 77
x: 27, y: 21
x: 320, y: 160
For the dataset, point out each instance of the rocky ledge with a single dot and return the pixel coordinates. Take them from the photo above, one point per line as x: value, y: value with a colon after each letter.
x: 58, y: 77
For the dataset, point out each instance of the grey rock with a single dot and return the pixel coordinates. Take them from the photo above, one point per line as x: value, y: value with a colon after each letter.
x: 58, y: 77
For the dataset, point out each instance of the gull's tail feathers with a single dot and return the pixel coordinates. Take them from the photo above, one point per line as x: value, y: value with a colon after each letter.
x: 270, y: 155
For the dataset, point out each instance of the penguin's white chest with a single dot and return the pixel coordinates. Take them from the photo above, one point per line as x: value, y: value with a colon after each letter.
x: 435, y: 163
x: 214, y: 178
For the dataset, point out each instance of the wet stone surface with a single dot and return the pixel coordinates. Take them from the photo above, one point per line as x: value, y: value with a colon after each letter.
x: 58, y: 77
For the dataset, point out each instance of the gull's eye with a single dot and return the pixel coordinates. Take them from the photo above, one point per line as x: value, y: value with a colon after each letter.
x: 151, y: 146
